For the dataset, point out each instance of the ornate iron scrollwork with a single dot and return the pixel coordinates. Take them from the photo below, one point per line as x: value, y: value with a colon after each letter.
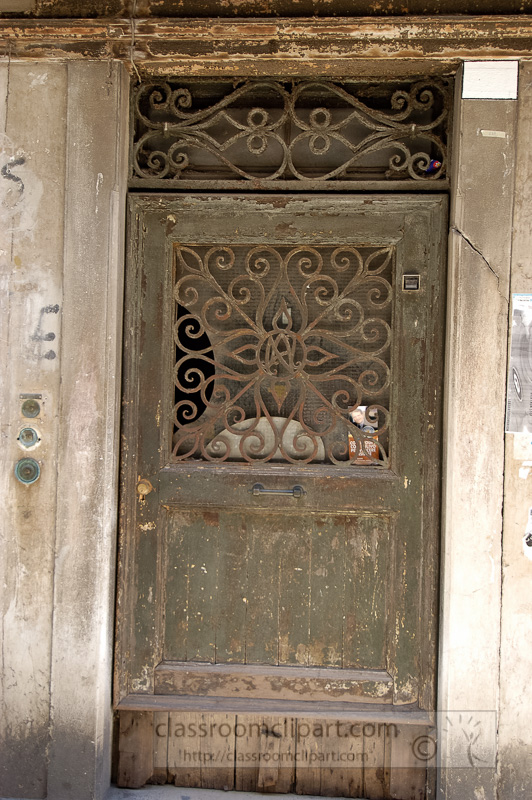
x: 307, y: 131
x: 276, y: 347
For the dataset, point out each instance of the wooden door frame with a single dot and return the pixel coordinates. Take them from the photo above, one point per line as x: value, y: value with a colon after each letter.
x: 452, y: 448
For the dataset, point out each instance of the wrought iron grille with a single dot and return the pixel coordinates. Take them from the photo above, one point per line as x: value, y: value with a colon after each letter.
x: 282, y: 353
x: 264, y: 132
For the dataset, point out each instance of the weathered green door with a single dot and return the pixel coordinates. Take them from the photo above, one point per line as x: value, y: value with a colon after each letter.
x: 281, y: 451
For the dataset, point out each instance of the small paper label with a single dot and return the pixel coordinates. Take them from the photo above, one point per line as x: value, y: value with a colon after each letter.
x: 490, y: 80
x: 494, y: 134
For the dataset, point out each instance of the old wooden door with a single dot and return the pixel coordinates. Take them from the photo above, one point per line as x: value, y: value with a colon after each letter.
x: 278, y: 571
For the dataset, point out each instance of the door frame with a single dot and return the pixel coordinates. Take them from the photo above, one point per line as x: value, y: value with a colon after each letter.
x: 454, y: 463
x: 147, y: 681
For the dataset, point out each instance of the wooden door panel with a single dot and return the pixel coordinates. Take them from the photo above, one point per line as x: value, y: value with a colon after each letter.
x: 301, y: 589
x: 316, y: 604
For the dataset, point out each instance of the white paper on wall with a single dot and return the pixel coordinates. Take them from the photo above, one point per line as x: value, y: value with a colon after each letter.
x: 519, y: 387
x: 490, y: 80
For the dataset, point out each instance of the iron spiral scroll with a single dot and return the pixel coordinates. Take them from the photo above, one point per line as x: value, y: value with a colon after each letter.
x: 276, y: 347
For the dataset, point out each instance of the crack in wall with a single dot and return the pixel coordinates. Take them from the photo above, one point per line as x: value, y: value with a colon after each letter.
x: 477, y: 250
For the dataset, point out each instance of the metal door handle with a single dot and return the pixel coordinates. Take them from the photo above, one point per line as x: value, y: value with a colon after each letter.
x: 295, y: 491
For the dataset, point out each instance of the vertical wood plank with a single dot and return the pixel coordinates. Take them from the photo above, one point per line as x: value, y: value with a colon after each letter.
x: 415, y: 446
x: 277, y: 755
x: 262, y: 619
x: 202, y: 582
x: 308, y: 746
x: 143, y: 389
x: 330, y: 758
x: 247, y: 743
x: 376, y: 776
x: 294, y: 590
x: 232, y: 591
x: 341, y: 760
x: 365, y: 592
x: 91, y: 350
x: 184, y: 751
x: 471, y: 580
x: 32, y: 193
x: 408, y: 774
x: 218, y: 752
x: 326, y: 591
x: 138, y: 611
x: 135, y: 749
x: 177, y: 609
x: 515, y: 673
x: 201, y: 750
x: 160, y: 747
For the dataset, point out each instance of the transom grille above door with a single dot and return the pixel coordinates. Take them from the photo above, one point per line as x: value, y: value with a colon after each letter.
x: 282, y: 353
x: 301, y: 134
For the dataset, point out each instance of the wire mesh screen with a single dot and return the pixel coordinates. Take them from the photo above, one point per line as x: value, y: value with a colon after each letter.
x: 282, y: 353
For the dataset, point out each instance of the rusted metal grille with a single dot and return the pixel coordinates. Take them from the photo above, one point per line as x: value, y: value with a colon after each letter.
x: 277, y: 348
x: 304, y: 133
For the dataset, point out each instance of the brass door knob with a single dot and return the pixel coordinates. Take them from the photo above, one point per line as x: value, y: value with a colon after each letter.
x: 144, y: 487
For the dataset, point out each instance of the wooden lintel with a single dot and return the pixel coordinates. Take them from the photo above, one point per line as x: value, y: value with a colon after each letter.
x: 267, y: 46
x: 61, y: 39
x: 276, y: 683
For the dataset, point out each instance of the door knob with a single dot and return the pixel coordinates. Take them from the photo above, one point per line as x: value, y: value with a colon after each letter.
x: 144, y: 487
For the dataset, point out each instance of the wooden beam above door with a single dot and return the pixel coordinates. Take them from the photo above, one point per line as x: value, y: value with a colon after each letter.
x: 288, y: 46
